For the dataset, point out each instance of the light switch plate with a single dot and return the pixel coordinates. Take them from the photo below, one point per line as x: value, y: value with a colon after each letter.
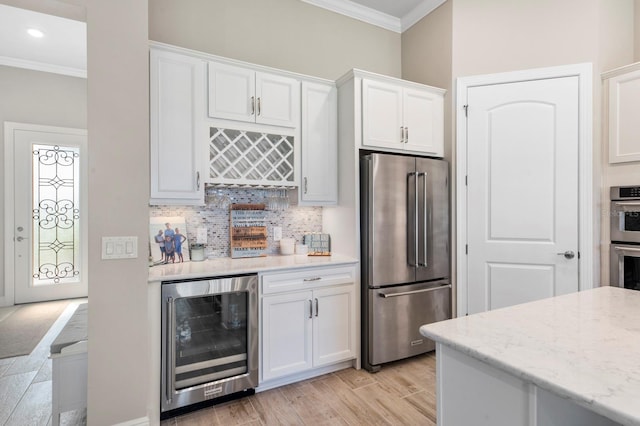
x: 119, y: 247
x: 277, y: 233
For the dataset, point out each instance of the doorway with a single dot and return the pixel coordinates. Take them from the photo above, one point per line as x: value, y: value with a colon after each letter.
x: 524, y: 199
x: 46, y: 211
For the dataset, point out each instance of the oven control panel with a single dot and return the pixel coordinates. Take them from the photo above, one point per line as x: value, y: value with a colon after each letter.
x: 624, y: 192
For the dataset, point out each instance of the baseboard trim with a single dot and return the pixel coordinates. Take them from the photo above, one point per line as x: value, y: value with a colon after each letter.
x: 142, y: 421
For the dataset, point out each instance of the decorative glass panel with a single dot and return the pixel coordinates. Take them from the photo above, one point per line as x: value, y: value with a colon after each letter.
x: 250, y: 158
x: 56, y: 214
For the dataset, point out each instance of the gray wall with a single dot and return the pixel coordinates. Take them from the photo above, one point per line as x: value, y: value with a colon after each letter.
x: 38, y: 98
x: 286, y: 34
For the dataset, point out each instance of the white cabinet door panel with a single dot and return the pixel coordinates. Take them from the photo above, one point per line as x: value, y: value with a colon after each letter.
x: 424, y: 121
x: 319, y: 144
x: 382, y: 124
x: 232, y: 92
x: 624, y: 126
x: 286, y: 334
x: 333, y: 325
x: 278, y: 100
x: 177, y: 104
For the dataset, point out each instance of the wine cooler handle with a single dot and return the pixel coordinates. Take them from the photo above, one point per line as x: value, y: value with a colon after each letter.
x: 171, y: 347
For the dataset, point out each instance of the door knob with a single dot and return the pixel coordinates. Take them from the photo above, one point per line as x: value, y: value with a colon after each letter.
x: 568, y: 254
x: 20, y: 239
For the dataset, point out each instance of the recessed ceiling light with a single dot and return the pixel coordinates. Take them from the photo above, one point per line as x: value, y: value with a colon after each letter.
x: 35, y: 33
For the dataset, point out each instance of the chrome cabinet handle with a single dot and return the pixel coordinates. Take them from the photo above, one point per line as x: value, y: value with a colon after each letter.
x: 253, y: 105
x: 305, y: 185
x: 317, y: 310
x: 406, y: 135
x: 567, y: 254
x: 259, y: 106
x: 310, y: 309
x: 198, y: 181
x: 401, y: 134
x: 313, y: 279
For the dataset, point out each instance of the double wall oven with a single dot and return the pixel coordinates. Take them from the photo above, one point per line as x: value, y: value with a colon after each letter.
x: 209, y: 341
x: 625, y: 237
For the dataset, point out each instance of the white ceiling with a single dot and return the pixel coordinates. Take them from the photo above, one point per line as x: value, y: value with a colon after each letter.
x: 62, y: 50
x: 394, y: 15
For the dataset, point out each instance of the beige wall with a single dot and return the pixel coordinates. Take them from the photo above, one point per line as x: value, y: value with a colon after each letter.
x: 495, y: 36
x: 118, y: 113
x: 285, y: 34
x: 38, y: 98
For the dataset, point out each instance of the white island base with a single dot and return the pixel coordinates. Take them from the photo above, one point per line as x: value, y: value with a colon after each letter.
x: 567, y: 360
x: 472, y: 392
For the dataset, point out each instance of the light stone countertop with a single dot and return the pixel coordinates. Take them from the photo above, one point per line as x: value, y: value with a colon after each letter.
x: 584, y: 346
x: 228, y: 266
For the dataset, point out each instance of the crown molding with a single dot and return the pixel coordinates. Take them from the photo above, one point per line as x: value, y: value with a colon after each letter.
x: 362, y: 13
x: 40, y: 66
x: 420, y: 11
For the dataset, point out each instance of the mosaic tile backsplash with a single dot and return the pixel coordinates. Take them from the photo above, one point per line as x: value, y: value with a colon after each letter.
x: 295, y: 221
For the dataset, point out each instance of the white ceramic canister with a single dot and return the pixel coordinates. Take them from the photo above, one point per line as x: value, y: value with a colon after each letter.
x: 287, y: 245
x: 197, y: 252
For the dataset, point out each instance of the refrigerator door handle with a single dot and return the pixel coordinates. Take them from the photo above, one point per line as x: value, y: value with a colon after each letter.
x: 412, y: 219
x: 424, y: 216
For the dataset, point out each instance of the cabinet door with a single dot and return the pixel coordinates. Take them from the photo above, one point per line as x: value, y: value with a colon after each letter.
x: 424, y: 121
x: 382, y: 125
x: 334, y: 325
x: 624, y: 126
x: 277, y: 100
x: 177, y: 108
x: 319, y: 128
x: 286, y: 334
x: 232, y: 92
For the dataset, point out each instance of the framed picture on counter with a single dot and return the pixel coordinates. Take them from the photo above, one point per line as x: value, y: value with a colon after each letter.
x: 168, y: 240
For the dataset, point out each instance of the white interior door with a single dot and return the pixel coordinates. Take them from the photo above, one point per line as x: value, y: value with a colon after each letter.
x: 522, y: 193
x: 47, y: 220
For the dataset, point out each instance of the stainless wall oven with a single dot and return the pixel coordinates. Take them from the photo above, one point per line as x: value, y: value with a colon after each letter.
x: 625, y: 237
x: 209, y: 341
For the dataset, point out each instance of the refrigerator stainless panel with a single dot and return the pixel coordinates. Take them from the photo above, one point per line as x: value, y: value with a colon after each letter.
x: 433, y: 222
x: 388, y: 235
x: 396, y: 316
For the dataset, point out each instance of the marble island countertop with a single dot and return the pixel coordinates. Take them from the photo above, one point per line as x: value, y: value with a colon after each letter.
x: 583, y: 346
x: 228, y: 266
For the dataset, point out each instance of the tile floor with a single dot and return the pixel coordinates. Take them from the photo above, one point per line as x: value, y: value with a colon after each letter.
x: 25, y: 382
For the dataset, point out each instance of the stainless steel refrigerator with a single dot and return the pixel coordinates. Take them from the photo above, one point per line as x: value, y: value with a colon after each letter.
x: 405, y: 254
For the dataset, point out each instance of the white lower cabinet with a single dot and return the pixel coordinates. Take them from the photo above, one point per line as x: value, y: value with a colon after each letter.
x: 308, y: 320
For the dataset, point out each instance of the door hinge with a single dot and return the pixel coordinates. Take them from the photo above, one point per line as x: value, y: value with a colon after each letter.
x: 466, y: 110
x: 466, y: 249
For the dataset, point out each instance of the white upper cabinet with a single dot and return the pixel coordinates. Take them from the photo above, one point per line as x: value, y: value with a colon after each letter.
x: 242, y: 94
x: 177, y: 102
x: 624, y: 104
x: 319, y: 134
x: 402, y: 116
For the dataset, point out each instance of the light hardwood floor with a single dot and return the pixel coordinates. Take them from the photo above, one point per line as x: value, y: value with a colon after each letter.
x: 25, y: 383
x: 402, y: 393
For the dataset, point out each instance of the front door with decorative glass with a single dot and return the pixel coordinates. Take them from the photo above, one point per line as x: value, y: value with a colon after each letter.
x: 46, y: 250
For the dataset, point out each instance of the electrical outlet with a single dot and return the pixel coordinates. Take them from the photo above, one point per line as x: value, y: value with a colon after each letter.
x: 277, y: 233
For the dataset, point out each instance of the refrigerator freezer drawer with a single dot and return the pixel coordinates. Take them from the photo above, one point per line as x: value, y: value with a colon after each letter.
x: 397, y: 314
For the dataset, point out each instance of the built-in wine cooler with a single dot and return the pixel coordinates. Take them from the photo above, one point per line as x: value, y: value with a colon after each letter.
x: 209, y: 341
